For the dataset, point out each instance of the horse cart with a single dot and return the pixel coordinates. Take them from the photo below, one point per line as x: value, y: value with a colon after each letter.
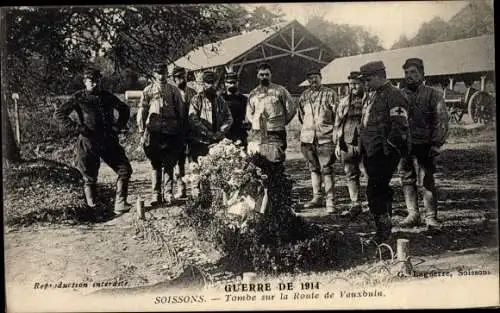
x: 480, y: 106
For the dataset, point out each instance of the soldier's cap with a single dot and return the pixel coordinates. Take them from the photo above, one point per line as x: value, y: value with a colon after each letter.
x: 354, y: 75
x: 414, y: 62
x: 313, y: 72
x: 160, y: 67
x: 208, y: 77
x: 370, y: 68
x: 179, y: 71
x: 92, y: 73
x: 231, y: 77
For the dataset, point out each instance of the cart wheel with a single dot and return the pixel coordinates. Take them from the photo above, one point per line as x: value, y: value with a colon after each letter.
x: 473, y: 107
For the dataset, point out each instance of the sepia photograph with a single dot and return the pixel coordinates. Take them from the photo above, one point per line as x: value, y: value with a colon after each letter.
x: 249, y: 156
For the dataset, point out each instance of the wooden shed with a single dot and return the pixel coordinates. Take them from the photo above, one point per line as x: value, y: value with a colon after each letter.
x: 289, y: 48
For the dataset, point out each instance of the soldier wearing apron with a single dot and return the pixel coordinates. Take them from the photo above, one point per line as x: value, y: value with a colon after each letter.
x: 316, y: 113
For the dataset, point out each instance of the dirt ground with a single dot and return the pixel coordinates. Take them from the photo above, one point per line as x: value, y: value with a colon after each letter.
x: 118, y: 250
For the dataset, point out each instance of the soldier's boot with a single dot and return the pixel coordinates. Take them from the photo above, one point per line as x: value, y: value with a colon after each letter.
x: 329, y: 192
x: 156, y: 182
x: 121, y: 205
x: 355, y: 207
x: 411, y: 201
x: 383, y: 225
x: 168, y: 186
x: 90, y: 195
x: 316, y: 186
x: 181, y: 189
x: 430, y: 207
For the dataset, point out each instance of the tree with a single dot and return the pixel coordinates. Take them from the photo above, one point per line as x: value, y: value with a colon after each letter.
x: 262, y: 17
x: 402, y: 42
x: 47, y: 47
x: 343, y: 39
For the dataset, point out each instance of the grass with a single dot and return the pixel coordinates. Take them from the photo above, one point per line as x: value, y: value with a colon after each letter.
x: 46, y: 191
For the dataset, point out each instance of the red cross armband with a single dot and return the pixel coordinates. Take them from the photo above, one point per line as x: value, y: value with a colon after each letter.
x: 398, y: 111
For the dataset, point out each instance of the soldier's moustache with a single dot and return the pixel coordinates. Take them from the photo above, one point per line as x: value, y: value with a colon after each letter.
x: 264, y: 81
x: 232, y: 89
x: 182, y: 85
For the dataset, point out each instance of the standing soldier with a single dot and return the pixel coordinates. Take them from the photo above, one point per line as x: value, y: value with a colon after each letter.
x: 209, y: 117
x: 270, y: 109
x: 316, y: 113
x: 428, y: 127
x: 384, y: 139
x: 347, y: 124
x: 237, y: 103
x: 187, y: 93
x: 98, y: 136
x: 161, y: 120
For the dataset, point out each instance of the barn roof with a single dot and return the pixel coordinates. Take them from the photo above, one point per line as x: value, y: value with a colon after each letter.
x: 224, y: 51
x: 469, y: 55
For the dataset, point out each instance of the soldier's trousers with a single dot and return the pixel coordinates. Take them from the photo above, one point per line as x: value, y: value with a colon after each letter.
x: 352, y: 163
x: 379, y: 169
x: 418, y: 168
x: 164, y: 151
x: 320, y: 157
x: 197, y: 149
x: 90, y: 151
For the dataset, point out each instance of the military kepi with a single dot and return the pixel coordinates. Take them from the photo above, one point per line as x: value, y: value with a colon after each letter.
x: 92, y: 73
x: 208, y: 77
x: 314, y: 72
x: 413, y: 62
x: 178, y: 71
x: 160, y: 67
x: 354, y: 75
x: 371, y: 67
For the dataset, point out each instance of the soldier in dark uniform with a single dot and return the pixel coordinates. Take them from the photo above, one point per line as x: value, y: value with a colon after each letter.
x: 187, y: 93
x: 237, y: 103
x: 429, y: 128
x: 209, y: 118
x: 98, y: 136
x: 384, y: 139
x: 161, y: 121
x: 347, y: 124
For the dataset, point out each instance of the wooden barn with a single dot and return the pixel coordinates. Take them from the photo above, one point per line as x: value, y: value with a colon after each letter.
x: 445, y: 63
x: 289, y: 48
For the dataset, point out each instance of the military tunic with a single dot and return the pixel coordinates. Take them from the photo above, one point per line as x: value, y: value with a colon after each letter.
x: 316, y: 113
x: 347, y: 124
x: 428, y: 118
x: 96, y: 127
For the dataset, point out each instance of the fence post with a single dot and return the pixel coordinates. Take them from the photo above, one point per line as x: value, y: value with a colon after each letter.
x: 15, y: 97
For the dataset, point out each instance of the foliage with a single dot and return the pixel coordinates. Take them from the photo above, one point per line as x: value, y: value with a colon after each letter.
x: 343, y: 39
x: 474, y: 20
x: 273, y: 241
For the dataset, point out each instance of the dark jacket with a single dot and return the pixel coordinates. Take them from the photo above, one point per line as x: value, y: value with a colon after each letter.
x: 428, y: 116
x: 238, y: 106
x: 95, y: 111
x: 384, y: 122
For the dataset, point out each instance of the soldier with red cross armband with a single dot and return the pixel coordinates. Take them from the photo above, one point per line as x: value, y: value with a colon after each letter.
x: 429, y: 129
x: 383, y: 139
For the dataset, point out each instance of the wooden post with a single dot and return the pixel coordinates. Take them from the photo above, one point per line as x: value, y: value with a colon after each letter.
x: 402, y: 252
x: 451, y: 83
x: 483, y: 82
x: 15, y: 97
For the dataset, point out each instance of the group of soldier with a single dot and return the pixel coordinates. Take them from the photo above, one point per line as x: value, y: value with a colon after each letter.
x: 377, y: 128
